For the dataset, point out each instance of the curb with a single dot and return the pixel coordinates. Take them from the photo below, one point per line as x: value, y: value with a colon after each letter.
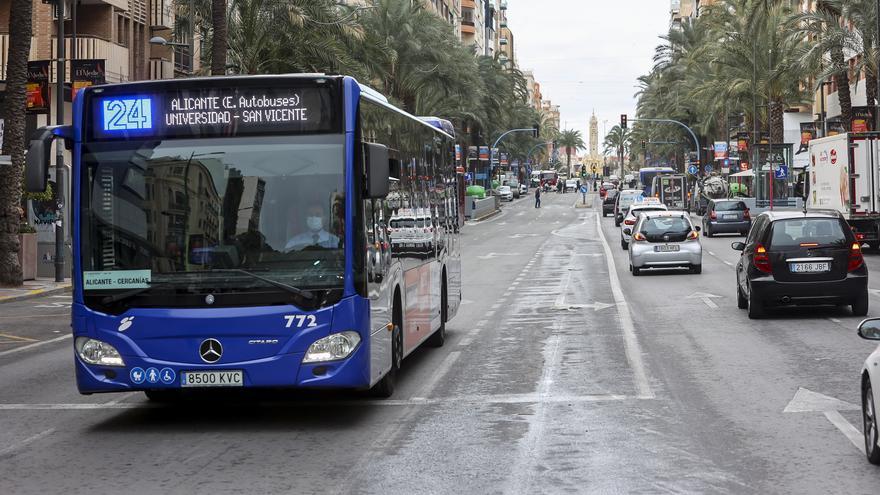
x: 36, y: 293
x: 485, y: 217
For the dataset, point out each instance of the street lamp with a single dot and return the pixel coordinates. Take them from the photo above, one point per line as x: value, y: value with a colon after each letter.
x: 158, y: 40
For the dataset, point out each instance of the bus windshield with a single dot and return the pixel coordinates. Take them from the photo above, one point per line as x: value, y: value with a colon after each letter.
x: 192, y: 215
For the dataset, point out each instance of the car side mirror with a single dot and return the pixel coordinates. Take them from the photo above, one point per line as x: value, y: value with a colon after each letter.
x: 697, y: 228
x: 870, y: 329
x: 378, y: 170
x: 738, y: 246
x: 627, y: 231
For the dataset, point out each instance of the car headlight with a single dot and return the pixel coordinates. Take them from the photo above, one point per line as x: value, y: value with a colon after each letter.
x: 332, y: 347
x: 97, y: 352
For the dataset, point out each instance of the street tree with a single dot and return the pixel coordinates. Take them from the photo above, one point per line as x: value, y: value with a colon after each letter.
x: 20, y: 30
x: 572, y: 141
x: 219, y: 39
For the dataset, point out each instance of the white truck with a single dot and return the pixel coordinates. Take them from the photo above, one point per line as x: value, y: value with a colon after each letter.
x: 845, y: 176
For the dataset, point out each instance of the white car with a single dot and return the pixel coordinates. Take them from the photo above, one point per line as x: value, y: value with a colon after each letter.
x: 505, y: 193
x: 523, y: 189
x: 629, y: 220
x: 571, y: 185
x: 870, y: 329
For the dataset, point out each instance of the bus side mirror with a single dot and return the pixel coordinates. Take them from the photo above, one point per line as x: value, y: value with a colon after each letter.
x: 37, y: 160
x: 378, y: 170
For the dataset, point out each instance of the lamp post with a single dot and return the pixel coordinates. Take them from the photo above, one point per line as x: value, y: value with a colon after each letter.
x: 60, y: 76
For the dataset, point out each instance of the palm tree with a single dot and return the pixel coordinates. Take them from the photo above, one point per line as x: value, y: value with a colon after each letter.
x: 572, y: 141
x: 618, y: 142
x: 20, y: 29
x: 218, y: 39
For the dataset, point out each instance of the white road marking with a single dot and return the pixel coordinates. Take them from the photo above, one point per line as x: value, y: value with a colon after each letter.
x: 633, y: 350
x: 834, y: 320
x: 875, y: 292
x: 62, y: 297
x: 34, y: 345
x: 706, y: 297
x: 727, y: 262
x: 121, y: 398
x: 438, y: 375
x: 34, y: 316
x: 490, y: 313
x: 27, y: 441
x: 850, y: 431
x: 711, y: 253
x: 465, y: 341
x: 496, y: 255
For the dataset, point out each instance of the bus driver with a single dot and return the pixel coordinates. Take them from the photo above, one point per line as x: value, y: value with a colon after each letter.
x: 315, y: 235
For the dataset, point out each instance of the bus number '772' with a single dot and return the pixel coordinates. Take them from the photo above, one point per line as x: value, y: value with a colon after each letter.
x: 300, y: 321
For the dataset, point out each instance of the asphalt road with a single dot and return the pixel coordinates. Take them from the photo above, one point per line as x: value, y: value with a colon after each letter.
x: 561, y: 373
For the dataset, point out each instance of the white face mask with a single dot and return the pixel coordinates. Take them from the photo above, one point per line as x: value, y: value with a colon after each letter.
x: 315, y: 223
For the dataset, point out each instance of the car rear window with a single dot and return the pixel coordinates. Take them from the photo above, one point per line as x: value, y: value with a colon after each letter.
x: 402, y: 223
x: 730, y: 206
x: 796, y: 231
x: 627, y: 199
x: 665, y: 228
x: 636, y: 211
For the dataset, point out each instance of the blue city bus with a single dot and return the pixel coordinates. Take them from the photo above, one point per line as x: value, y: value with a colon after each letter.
x: 236, y: 232
x: 647, y: 174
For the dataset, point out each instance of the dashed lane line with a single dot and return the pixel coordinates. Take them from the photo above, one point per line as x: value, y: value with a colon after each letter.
x: 27, y: 441
x: 438, y: 375
x: 34, y: 345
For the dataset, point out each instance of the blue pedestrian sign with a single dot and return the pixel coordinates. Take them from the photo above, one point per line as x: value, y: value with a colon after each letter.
x: 708, y: 168
x: 781, y: 172
x: 583, y: 189
x: 693, y: 169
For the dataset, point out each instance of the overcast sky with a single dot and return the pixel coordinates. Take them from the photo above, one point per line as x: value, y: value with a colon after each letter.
x: 588, y: 53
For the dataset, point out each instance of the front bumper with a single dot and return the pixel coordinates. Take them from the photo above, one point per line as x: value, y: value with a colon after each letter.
x: 642, y: 255
x: 774, y: 293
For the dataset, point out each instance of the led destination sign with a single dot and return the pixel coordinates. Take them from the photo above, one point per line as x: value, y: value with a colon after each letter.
x: 216, y: 112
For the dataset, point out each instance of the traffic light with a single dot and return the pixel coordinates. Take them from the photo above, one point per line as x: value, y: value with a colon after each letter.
x: 537, y: 129
x: 644, y: 144
x: 623, y: 121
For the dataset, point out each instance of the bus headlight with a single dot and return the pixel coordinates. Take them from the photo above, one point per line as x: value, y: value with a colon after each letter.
x: 97, y: 352
x: 332, y: 347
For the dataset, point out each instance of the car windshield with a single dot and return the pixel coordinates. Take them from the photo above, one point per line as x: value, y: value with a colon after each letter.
x: 176, y: 212
x: 730, y: 206
x: 792, y: 233
x: 627, y: 198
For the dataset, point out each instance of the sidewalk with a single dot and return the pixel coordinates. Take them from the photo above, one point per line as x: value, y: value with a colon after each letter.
x: 34, y: 288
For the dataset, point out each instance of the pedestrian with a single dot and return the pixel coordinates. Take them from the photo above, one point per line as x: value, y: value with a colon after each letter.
x: 538, y: 197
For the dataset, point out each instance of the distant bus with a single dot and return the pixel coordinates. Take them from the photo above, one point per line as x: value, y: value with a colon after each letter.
x: 258, y: 231
x: 549, y: 177
x: 647, y: 174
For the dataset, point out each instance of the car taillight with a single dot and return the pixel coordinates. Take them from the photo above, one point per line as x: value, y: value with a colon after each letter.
x: 639, y: 236
x: 762, y: 260
x: 693, y: 235
x: 629, y: 221
x: 855, y: 257
x: 747, y: 215
x: 713, y: 215
x: 860, y: 236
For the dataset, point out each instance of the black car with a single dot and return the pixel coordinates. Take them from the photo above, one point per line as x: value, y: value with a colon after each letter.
x: 726, y: 216
x: 800, y: 258
x: 608, y: 201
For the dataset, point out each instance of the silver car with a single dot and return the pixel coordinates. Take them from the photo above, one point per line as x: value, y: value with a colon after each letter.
x: 665, y: 239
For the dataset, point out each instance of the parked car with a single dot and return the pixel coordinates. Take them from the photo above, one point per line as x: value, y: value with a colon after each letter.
x: 608, y: 202
x: 632, y: 213
x: 800, y: 258
x: 665, y: 239
x: 523, y: 189
x: 514, y: 187
x: 505, y: 193
x: 626, y: 198
x: 870, y: 330
x: 725, y: 216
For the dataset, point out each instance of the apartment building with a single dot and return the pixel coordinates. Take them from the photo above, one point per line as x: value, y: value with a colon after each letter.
x: 475, y: 30
x: 504, y: 45
x: 534, y: 89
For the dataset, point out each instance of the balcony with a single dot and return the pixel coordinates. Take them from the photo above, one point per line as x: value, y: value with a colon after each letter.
x: 4, y: 49
x: 468, y: 4
x: 503, y: 5
x: 116, y: 57
x: 502, y: 41
x: 467, y: 27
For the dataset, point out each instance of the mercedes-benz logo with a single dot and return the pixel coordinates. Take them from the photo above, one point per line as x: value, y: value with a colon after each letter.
x: 210, y: 350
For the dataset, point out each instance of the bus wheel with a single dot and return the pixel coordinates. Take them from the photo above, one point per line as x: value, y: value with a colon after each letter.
x: 385, y: 387
x: 438, y: 338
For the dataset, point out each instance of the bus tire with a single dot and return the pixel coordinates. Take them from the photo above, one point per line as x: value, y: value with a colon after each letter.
x: 384, y: 388
x: 438, y: 338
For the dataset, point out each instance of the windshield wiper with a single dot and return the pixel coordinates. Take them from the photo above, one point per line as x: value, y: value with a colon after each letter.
x: 305, y: 294
x: 131, y: 293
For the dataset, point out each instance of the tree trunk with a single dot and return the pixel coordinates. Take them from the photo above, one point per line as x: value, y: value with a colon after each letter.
x: 777, y: 125
x: 218, y: 40
x: 568, y: 160
x: 843, y: 94
x: 871, y: 93
x: 13, y: 140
